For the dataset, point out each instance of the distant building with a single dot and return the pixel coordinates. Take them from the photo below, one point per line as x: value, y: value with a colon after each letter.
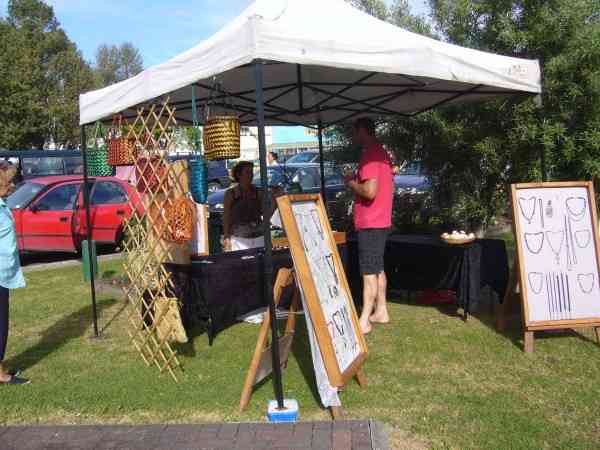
x: 291, y: 148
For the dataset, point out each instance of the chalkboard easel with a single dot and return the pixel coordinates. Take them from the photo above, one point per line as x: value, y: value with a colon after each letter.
x: 556, y: 273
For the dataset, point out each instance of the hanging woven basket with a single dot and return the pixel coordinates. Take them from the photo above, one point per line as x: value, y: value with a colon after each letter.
x: 181, y: 219
x: 121, y: 151
x: 198, y: 179
x: 221, y: 138
x: 97, y: 162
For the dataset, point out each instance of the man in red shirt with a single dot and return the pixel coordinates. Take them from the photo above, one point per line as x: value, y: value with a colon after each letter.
x: 373, y: 185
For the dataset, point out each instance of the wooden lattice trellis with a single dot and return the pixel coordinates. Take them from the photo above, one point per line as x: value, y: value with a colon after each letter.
x: 153, y: 316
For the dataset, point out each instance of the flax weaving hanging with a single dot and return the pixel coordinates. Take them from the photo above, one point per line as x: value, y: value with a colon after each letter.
x: 221, y: 135
x: 121, y: 147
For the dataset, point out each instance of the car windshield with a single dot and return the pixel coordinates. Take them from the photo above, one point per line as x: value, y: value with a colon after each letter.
x: 23, y: 195
x: 302, y: 158
x: 275, y: 177
x: 45, y: 166
x: 412, y: 168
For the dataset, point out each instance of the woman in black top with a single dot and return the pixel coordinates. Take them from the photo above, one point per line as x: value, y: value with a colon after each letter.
x: 242, y: 219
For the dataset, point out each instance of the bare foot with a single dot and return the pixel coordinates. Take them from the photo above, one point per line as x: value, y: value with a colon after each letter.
x: 380, y: 317
x: 365, y: 329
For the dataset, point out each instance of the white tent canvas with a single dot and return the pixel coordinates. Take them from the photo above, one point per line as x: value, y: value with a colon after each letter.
x: 324, y: 60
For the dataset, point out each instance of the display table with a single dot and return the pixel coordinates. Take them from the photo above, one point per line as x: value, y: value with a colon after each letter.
x: 421, y: 262
x: 218, y: 289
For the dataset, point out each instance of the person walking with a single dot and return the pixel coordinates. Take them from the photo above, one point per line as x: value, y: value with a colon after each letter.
x: 11, y: 277
x: 373, y: 185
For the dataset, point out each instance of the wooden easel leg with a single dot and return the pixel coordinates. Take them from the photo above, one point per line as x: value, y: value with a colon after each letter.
x: 336, y: 412
x: 529, y: 341
x: 361, y: 378
x: 284, y: 279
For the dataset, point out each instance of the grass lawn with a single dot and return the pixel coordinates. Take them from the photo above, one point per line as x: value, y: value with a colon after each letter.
x: 436, y: 381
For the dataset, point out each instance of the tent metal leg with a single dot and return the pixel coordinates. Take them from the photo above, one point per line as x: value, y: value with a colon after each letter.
x: 268, y: 251
x: 86, y: 202
x: 322, y: 161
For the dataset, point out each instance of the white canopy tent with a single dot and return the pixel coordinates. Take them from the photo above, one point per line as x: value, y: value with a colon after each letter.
x: 323, y: 61
x: 314, y: 63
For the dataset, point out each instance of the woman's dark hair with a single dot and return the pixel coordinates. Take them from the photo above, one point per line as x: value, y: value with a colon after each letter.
x: 367, y: 124
x: 237, y: 170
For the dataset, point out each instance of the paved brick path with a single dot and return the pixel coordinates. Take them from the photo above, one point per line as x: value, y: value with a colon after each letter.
x: 342, y: 435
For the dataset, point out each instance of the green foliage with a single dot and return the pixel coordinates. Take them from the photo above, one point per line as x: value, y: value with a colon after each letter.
x: 475, y: 151
x: 117, y: 63
x: 41, y: 76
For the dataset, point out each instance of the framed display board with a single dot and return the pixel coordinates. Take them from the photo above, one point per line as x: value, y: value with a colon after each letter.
x: 323, y: 282
x: 558, y: 254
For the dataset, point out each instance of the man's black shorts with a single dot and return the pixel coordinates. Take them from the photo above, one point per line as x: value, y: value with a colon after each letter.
x: 371, y: 249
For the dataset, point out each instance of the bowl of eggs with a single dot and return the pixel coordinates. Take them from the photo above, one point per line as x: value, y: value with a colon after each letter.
x: 458, y: 237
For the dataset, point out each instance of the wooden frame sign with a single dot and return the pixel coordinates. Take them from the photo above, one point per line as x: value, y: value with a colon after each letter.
x: 558, y: 255
x: 322, y: 280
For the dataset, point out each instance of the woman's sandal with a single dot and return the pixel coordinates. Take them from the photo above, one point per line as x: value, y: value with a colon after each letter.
x: 16, y: 380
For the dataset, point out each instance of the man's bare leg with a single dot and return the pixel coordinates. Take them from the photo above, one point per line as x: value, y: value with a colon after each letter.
x: 369, y: 297
x: 381, y: 313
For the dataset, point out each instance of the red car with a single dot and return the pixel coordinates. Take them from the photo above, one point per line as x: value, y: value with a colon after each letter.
x: 50, y: 215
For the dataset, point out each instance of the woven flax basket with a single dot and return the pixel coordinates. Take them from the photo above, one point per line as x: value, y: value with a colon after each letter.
x: 121, y: 151
x: 181, y: 220
x: 222, y: 138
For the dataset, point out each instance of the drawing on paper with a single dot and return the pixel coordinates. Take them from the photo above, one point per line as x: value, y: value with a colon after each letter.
x: 536, y: 281
x: 534, y: 242
x: 586, y: 282
x: 583, y: 238
x: 576, y: 206
x: 528, y: 206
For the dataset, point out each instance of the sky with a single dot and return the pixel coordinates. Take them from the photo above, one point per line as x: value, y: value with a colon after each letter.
x: 160, y: 29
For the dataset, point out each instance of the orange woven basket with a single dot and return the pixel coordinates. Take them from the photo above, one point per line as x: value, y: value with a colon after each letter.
x: 181, y: 218
x: 121, y: 151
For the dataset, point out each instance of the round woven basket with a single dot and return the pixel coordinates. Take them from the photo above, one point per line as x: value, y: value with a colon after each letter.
x: 121, y: 151
x: 221, y: 137
x: 198, y: 179
x: 97, y: 164
x: 181, y: 219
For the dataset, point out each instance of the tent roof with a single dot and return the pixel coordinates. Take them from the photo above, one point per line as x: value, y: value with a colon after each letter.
x: 323, y: 60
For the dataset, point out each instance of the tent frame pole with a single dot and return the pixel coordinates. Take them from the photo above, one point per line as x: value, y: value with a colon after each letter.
x: 268, y: 249
x: 86, y: 202
x: 322, y: 163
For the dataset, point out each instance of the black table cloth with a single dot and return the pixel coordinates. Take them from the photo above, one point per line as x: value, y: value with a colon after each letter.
x: 218, y: 289
x: 420, y: 262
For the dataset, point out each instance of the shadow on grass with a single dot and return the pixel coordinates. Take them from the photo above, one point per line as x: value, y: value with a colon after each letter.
x: 301, y: 351
x: 58, y: 335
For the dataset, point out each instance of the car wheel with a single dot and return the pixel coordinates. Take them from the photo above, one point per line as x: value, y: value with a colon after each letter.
x: 213, y: 187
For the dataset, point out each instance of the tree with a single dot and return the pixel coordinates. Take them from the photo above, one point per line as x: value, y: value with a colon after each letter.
x: 117, y: 63
x: 565, y: 37
x: 475, y: 151
x: 41, y: 76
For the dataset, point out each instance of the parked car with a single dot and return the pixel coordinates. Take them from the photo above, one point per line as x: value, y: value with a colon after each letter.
x: 307, y: 157
x: 299, y: 178
x: 35, y: 166
x: 49, y: 212
x: 412, y: 179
